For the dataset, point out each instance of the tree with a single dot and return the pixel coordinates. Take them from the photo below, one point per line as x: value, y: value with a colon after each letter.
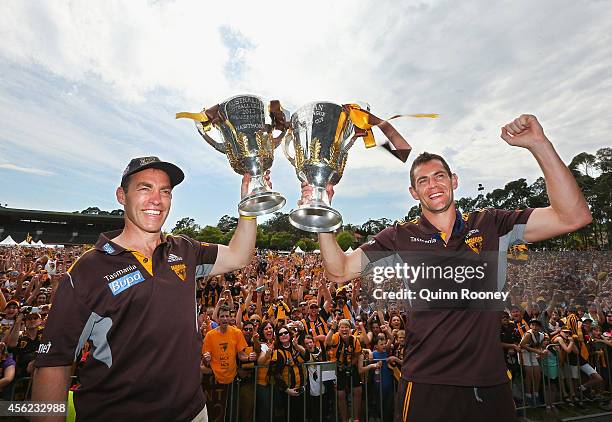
x: 282, y: 241
x: 263, y: 239
x: 374, y: 226
x: 413, y: 213
x: 517, y: 193
x: 345, y: 239
x: 186, y: 226
x: 584, y: 163
x: 225, y: 239
x: 210, y: 234
x: 306, y: 244
x: 227, y: 223
x: 604, y: 159
x: 538, y: 196
x: 118, y: 211
x: 280, y: 223
x: 94, y: 211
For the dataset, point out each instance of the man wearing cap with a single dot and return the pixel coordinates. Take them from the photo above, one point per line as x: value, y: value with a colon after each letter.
x: 533, y: 349
x: 23, y: 340
x: 11, y: 310
x: 460, y: 374
x: 132, y: 297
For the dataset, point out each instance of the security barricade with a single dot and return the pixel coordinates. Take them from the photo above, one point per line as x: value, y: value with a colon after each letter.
x: 367, y: 396
x: 257, y: 398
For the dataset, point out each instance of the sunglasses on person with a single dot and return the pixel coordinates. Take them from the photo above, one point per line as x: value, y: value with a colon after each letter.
x: 248, y: 328
x: 282, y: 333
x: 314, y: 306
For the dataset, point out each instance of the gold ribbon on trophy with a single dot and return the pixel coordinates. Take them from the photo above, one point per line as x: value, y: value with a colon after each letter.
x: 364, y: 121
x: 212, y: 116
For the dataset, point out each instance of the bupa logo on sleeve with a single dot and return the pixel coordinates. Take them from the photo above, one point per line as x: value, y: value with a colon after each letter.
x: 125, y: 282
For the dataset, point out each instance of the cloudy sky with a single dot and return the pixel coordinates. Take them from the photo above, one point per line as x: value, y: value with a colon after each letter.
x: 85, y: 86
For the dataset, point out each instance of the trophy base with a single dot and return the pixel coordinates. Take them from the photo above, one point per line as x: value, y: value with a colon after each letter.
x: 316, y: 218
x: 261, y: 203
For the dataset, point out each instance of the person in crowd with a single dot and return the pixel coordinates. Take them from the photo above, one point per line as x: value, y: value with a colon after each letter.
x: 533, y: 348
x: 286, y: 364
x: 510, y: 340
x: 315, y: 324
x: 316, y: 403
x: 222, y: 348
x: 264, y: 387
x: 568, y: 364
x: 11, y: 309
x: 246, y: 372
x: 23, y: 342
x: 344, y: 349
x: 7, y: 373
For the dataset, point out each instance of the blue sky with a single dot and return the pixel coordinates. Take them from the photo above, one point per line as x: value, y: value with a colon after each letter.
x: 86, y: 86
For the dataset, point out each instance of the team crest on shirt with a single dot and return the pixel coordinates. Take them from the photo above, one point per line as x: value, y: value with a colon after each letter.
x: 223, y: 346
x: 180, y: 270
x: 475, y: 243
x: 465, y: 216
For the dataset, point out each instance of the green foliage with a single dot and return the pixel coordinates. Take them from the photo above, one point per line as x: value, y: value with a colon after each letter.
x: 98, y: 211
x: 307, y: 245
x: 210, y: 234
x: 281, y: 241
x: 345, y: 239
x: 188, y: 227
x: 227, y: 223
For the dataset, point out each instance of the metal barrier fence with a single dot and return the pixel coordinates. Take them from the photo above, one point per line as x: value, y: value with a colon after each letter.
x: 368, y: 396
x: 559, y: 384
x: 373, y: 398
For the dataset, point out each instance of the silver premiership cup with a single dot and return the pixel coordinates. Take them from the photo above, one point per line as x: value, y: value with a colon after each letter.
x: 321, y: 134
x: 248, y: 143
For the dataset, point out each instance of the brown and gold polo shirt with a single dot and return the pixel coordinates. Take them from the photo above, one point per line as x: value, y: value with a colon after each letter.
x: 139, y: 315
x: 451, y: 339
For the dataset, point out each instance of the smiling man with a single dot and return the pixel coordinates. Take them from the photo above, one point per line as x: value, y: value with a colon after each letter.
x: 132, y: 297
x: 453, y: 367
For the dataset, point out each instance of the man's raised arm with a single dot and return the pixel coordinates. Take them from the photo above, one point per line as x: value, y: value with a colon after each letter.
x: 568, y: 210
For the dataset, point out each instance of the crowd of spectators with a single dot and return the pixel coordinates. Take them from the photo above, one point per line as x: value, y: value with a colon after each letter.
x: 265, y: 329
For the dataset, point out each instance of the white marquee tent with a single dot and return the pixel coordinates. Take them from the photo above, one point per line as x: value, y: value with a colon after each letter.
x: 8, y: 241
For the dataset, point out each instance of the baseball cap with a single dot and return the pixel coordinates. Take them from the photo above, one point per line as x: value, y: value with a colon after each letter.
x: 175, y: 174
x: 12, y: 302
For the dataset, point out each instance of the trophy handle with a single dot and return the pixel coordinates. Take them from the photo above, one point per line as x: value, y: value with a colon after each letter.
x: 279, y: 118
x: 278, y: 139
x: 288, y: 139
x: 347, y: 146
x: 219, y: 146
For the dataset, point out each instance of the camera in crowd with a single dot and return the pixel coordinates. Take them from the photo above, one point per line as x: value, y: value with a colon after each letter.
x: 30, y: 309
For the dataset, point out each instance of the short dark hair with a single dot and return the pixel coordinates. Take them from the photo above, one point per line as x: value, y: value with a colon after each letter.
x: 125, y: 182
x: 425, y: 157
x: 224, y: 308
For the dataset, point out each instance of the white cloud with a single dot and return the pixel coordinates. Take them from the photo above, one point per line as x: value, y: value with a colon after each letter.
x: 14, y: 167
